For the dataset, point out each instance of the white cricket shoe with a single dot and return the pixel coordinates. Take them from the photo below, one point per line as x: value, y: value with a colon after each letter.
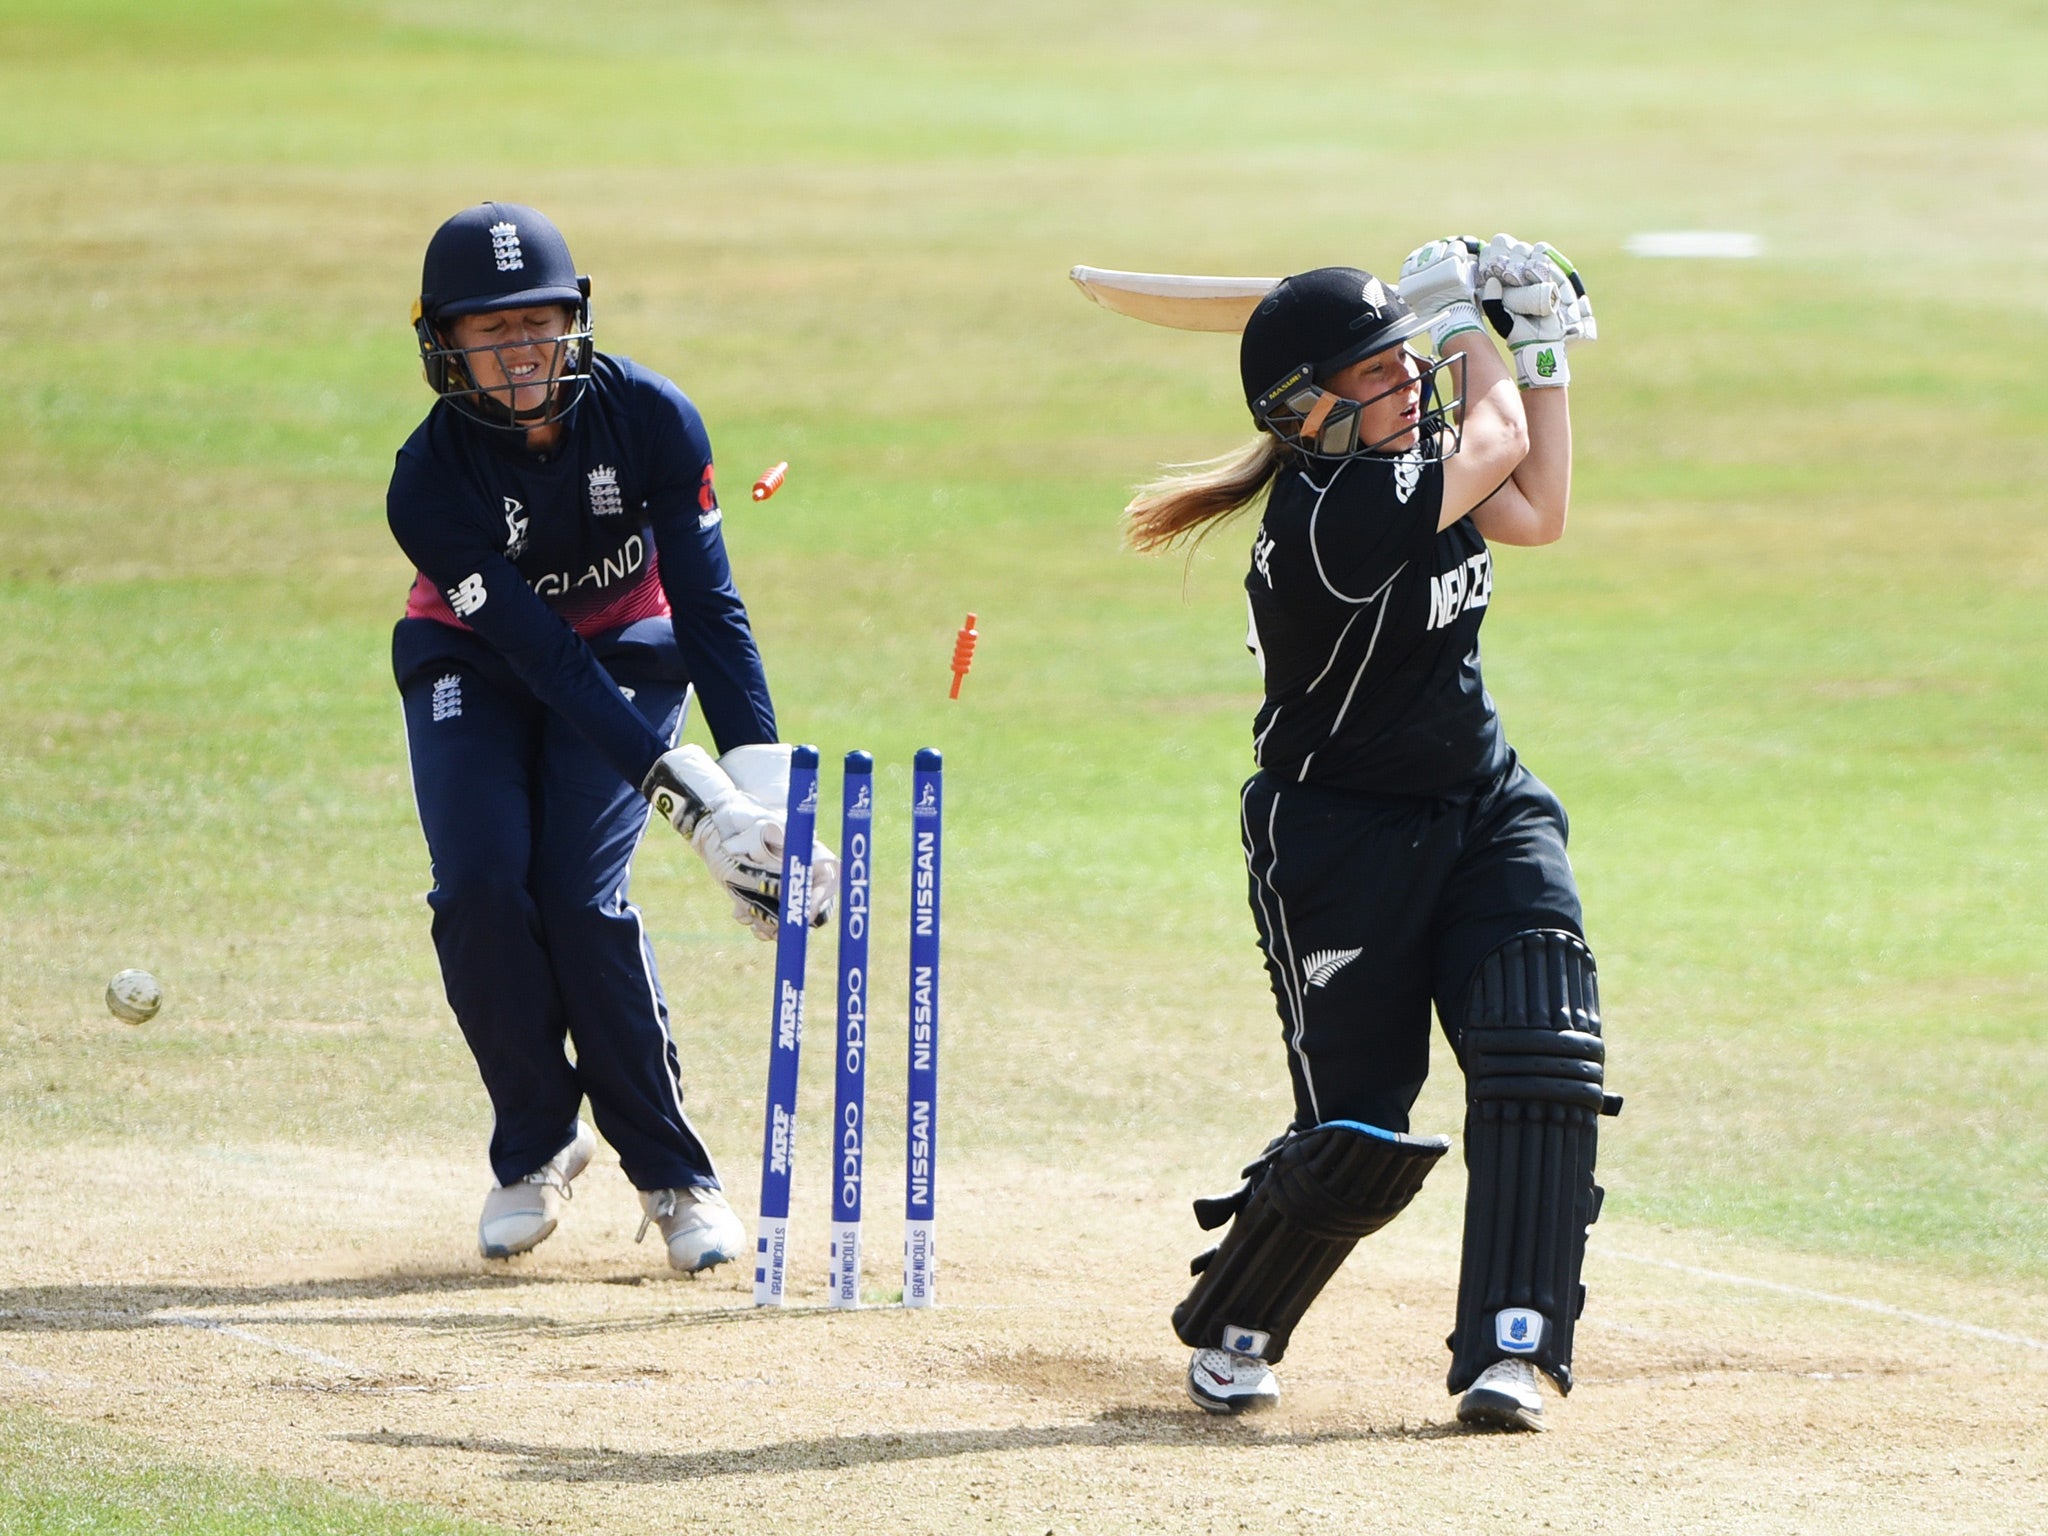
x: 518, y: 1216
x: 1506, y: 1396
x: 1223, y: 1381
x: 697, y: 1224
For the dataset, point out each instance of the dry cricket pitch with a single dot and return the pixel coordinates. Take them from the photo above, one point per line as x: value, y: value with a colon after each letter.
x: 245, y: 1308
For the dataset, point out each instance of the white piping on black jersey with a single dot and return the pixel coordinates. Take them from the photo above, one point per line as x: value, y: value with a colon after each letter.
x: 1262, y: 885
x: 1316, y: 554
x: 1378, y: 623
x: 1357, y: 677
x: 1361, y: 603
x: 1335, y: 651
x: 1259, y: 741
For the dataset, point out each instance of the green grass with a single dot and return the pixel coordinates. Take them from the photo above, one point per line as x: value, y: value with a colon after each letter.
x: 1787, y: 671
x: 59, y: 1480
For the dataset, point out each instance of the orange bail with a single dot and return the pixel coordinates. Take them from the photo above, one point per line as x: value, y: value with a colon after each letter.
x: 963, y: 653
x: 771, y: 482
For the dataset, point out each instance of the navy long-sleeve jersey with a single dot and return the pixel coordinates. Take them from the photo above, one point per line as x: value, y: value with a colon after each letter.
x: 532, y: 567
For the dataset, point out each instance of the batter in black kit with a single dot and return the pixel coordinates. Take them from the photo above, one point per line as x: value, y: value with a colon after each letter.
x: 1400, y: 856
x: 572, y: 592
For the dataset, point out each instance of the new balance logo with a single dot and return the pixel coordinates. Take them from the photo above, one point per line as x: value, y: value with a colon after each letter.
x: 447, y: 696
x: 467, y: 595
x: 505, y: 247
x: 1325, y: 963
x: 604, y: 492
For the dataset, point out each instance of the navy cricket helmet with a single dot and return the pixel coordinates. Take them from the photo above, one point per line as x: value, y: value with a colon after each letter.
x: 1310, y: 327
x: 500, y: 256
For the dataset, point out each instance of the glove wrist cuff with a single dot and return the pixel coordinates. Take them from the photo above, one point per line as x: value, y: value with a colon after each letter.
x: 1542, y: 365
x: 671, y: 798
x: 1453, y: 320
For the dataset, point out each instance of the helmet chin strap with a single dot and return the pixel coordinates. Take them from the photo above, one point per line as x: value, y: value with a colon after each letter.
x: 542, y: 414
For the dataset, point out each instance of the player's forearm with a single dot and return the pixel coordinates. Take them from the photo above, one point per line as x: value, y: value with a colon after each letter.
x: 1544, y: 477
x: 1493, y: 431
x: 555, y: 663
x: 1494, y: 422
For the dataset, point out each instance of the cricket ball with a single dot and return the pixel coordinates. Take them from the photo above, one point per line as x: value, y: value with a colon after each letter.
x: 134, y: 997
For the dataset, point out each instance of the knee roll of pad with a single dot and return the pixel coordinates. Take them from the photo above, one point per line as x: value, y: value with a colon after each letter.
x: 1303, y: 1208
x: 1534, y: 1087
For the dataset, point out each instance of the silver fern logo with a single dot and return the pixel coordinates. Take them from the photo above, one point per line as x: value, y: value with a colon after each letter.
x: 1325, y: 963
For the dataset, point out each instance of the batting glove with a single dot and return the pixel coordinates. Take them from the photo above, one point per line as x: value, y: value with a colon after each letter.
x: 1437, y: 283
x: 1527, y: 300
x: 1579, y: 324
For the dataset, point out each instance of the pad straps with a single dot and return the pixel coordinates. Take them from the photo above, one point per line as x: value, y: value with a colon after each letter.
x: 1305, y: 1204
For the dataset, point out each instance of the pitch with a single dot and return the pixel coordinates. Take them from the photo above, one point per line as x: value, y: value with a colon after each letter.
x: 1786, y: 670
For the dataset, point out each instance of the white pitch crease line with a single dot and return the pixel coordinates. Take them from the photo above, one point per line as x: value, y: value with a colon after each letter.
x: 208, y: 1325
x: 43, y: 1378
x: 1884, y: 1308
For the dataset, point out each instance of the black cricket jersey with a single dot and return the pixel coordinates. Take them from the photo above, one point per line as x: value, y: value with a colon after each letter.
x: 537, y: 568
x: 1365, y: 620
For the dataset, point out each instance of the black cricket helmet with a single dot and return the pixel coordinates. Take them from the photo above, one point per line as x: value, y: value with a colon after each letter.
x: 1313, y: 325
x: 500, y: 256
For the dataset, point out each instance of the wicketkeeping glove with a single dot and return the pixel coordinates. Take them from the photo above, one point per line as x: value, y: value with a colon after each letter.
x: 1437, y: 283
x: 738, y: 834
x: 1527, y: 299
x: 762, y: 772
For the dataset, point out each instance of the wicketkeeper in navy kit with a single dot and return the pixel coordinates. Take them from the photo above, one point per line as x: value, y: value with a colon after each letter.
x: 573, y: 590
x: 1399, y: 853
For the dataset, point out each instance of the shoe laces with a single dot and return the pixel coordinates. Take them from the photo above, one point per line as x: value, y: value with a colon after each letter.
x: 662, y: 1209
x: 551, y: 1173
x: 1519, y: 1373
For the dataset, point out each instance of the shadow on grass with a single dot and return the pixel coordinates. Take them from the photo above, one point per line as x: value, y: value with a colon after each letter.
x: 1109, y: 1430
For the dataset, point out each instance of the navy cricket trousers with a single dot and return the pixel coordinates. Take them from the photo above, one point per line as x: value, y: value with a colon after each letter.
x: 1372, y: 907
x: 532, y: 835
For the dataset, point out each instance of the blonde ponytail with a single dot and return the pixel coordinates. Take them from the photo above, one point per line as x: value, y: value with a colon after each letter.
x: 1169, y: 509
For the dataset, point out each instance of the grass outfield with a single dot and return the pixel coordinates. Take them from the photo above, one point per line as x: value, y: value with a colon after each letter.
x: 56, y: 1480
x: 1786, y: 671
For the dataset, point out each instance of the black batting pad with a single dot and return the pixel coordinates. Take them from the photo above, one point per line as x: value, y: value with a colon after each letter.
x: 1534, y: 1085
x: 1306, y: 1204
